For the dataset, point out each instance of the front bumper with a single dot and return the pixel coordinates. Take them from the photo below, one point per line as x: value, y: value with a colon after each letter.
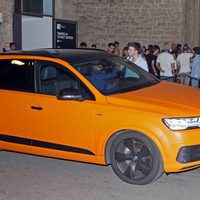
x: 183, y: 150
x: 188, y: 154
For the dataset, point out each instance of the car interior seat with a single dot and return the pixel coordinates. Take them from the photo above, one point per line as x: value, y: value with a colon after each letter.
x: 48, y: 78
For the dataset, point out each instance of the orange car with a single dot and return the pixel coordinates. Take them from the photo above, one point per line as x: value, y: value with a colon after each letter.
x: 91, y: 106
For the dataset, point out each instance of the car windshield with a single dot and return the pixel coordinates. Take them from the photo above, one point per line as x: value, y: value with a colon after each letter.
x: 115, y: 75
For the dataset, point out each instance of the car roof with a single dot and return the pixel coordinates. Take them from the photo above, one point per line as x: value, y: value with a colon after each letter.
x: 73, y: 56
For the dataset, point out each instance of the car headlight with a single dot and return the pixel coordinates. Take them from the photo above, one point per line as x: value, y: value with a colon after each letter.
x: 182, y: 123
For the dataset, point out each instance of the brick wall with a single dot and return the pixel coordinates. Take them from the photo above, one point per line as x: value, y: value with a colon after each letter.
x: 104, y: 21
x: 146, y: 21
x: 192, y: 22
x: 6, y: 33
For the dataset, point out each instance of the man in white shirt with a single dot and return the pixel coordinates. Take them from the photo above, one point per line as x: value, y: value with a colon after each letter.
x: 166, y: 63
x: 183, y: 64
x: 133, y: 51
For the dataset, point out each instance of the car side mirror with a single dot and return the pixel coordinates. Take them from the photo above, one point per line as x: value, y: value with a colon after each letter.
x: 69, y: 94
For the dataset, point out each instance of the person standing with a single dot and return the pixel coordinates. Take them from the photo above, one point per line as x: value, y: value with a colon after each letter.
x: 125, y: 52
x: 166, y: 64
x: 93, y: 46
x: 174, y: 54
x: 151, y: 60
x: 156, y: 52
x: 117, y: 50
x: 143, y: 52
x: 111, y: 48
x: 173, y: 48
x: 13, y: 46
x: 183, y: 65
x: 195, y: 68
x: 133, y: 51
x: 83, y: 45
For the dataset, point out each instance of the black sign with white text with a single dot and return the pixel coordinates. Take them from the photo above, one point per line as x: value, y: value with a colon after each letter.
x: 65, y: 34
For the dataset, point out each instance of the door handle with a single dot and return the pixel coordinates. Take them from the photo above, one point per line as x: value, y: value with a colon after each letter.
x: 36, y: 107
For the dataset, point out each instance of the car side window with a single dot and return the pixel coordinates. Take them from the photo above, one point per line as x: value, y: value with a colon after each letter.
x: 14, y: 75
x: 52, y: 78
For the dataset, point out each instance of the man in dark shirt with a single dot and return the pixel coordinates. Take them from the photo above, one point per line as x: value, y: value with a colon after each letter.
x: 151, y: 58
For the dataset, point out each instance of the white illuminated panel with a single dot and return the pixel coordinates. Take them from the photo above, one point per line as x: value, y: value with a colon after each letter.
x: 36, y: 32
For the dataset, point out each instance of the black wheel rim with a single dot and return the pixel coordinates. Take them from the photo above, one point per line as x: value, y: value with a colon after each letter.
x: 133, y: 159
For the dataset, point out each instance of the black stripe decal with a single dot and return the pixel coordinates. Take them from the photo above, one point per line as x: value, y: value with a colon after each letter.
x: 48, y: 145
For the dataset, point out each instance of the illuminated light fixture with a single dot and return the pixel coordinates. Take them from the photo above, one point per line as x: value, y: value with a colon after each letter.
x: 182, y: 123
x: 17, y: 62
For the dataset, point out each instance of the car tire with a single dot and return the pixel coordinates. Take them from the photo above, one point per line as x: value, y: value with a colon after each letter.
x: 135, y: 158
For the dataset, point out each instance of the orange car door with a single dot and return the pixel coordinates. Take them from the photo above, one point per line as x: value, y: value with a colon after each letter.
x: 14, y: 102
x: 60, y: 125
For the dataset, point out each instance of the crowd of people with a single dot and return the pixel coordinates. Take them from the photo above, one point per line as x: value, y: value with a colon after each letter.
x: 175, y: 63
x: 12, y: 47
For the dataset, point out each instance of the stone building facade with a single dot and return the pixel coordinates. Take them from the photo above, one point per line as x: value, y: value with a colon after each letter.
x: 6, y: 27
x: 104, y: 21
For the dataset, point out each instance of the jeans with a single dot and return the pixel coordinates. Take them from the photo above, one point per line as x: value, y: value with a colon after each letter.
x: 185, y: 78
x: 195, y: 83
x: 167, y: 78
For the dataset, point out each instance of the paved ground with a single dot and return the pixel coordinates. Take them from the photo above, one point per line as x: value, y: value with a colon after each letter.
x: 26, y: 177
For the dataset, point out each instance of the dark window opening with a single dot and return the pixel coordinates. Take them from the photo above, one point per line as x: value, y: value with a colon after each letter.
x: 52, y: 78
x: 14, y: 75
x: 33, y: 6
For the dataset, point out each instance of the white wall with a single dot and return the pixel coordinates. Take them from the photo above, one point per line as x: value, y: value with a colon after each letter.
x: 37, y: 32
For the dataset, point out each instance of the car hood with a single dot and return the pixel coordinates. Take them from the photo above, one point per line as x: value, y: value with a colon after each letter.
x: 169, y: 99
